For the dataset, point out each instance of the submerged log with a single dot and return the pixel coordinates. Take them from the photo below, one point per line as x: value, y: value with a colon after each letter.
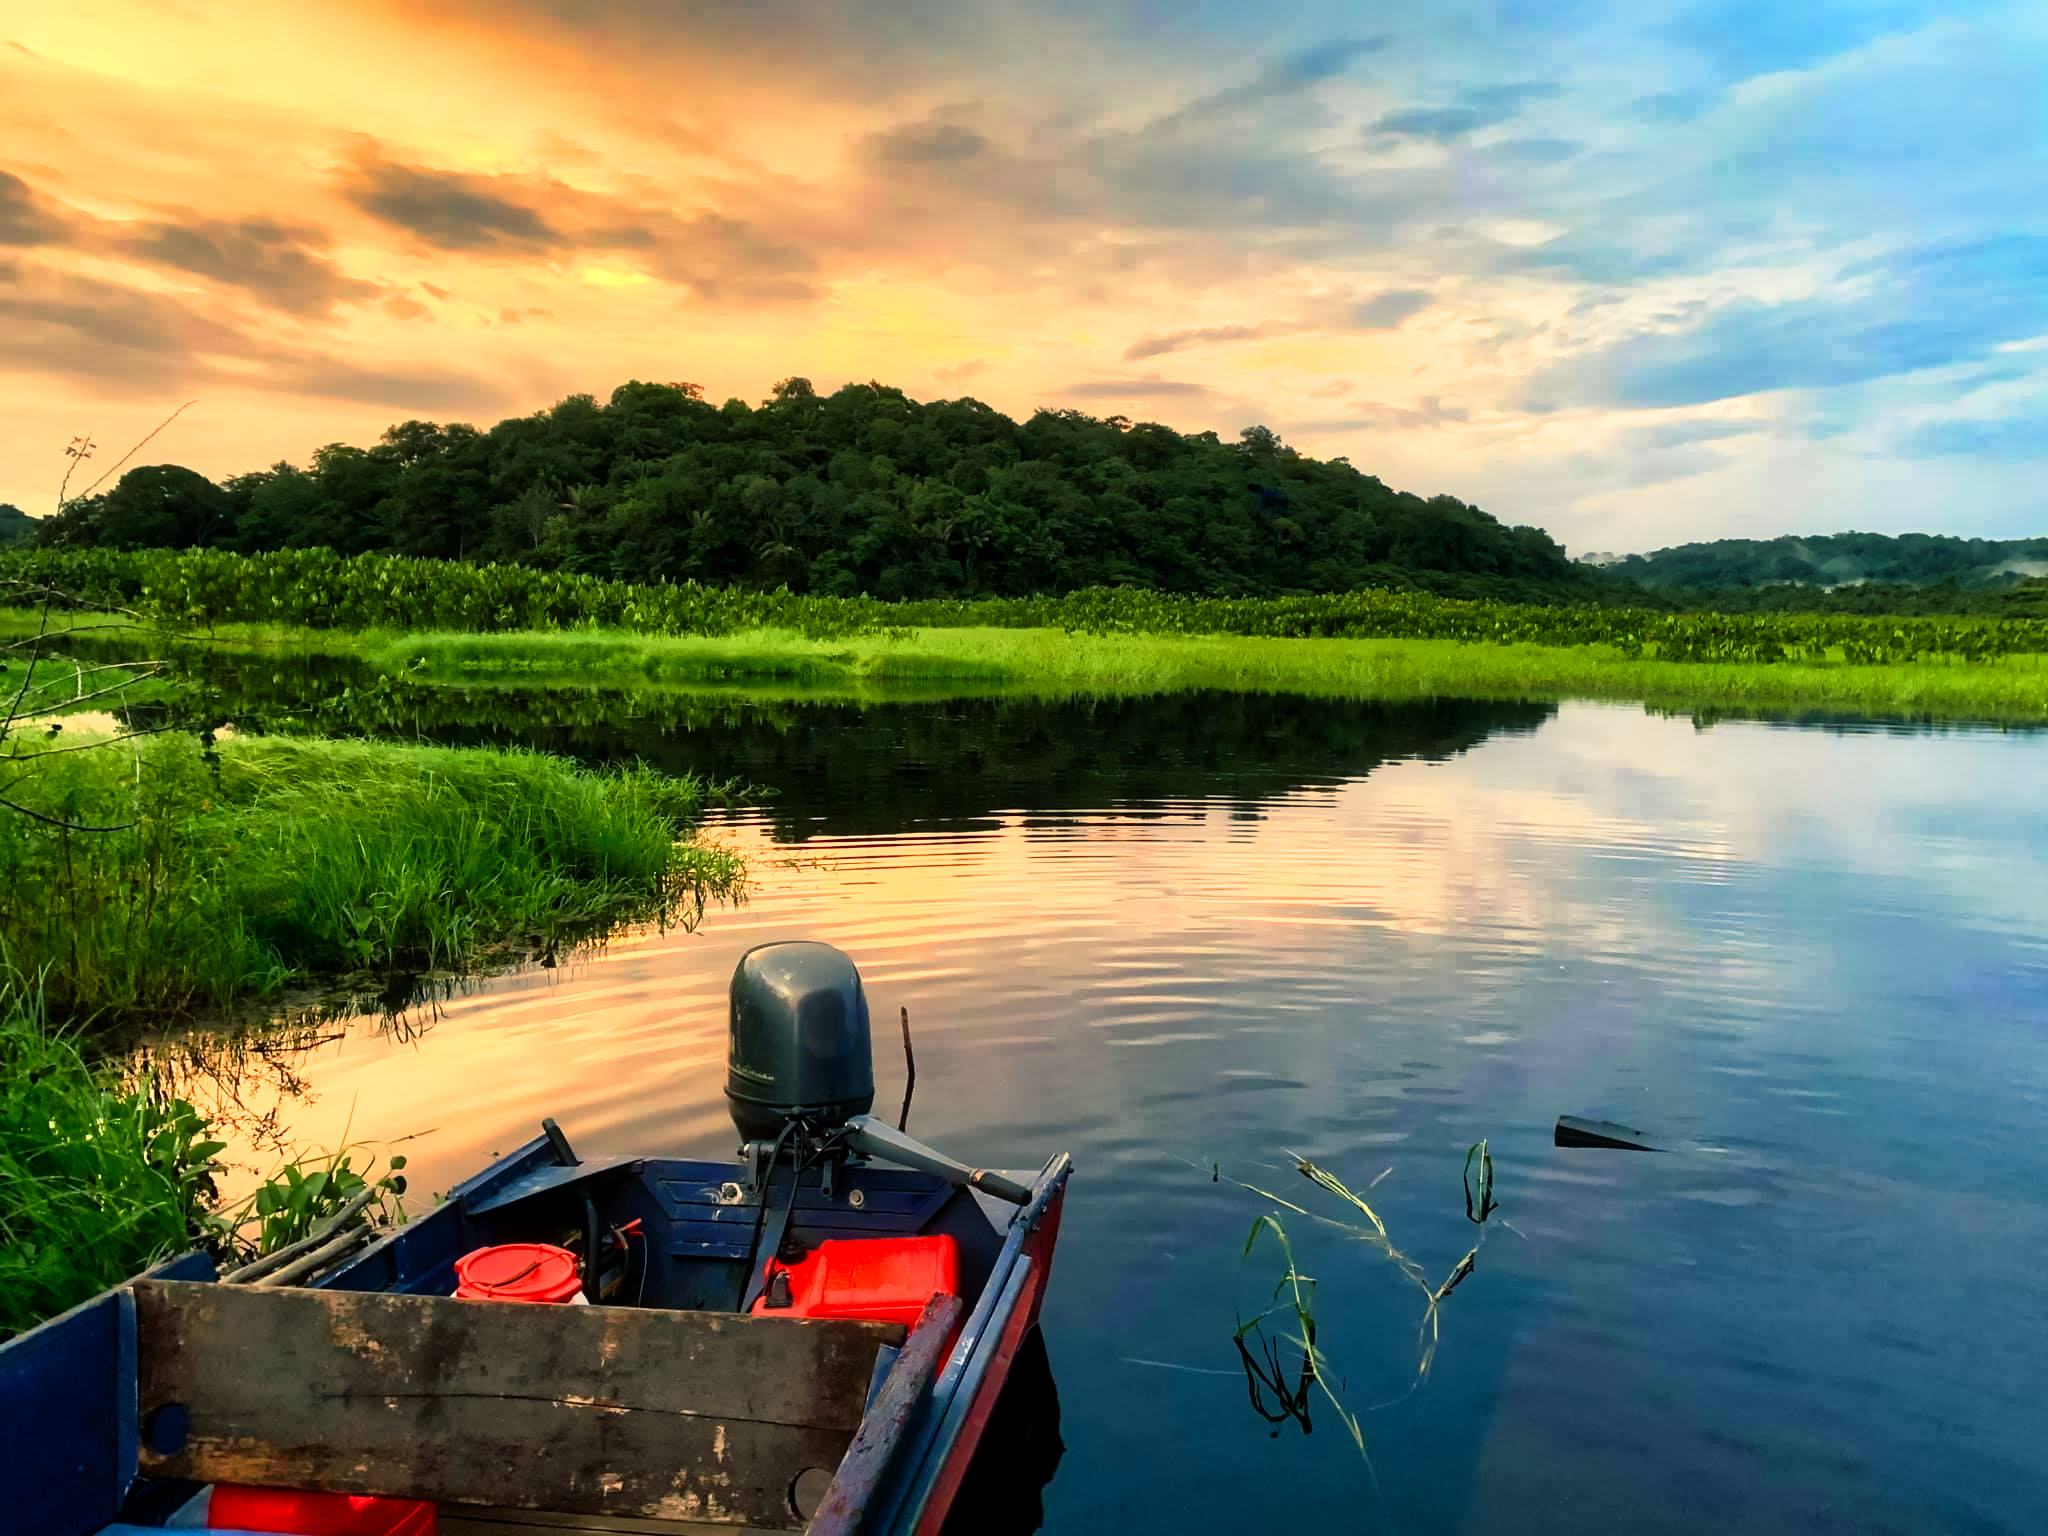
x: 1575, y: 1132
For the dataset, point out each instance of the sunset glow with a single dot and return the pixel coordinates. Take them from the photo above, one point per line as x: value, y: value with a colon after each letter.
x: 1637, y: 275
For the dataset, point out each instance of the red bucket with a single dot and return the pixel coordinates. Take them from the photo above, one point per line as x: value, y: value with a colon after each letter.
x: 519, y: 1272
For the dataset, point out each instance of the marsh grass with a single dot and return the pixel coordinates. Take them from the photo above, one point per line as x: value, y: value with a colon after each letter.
x: 239, y: 873
x: 935, y: 663
x: 99, y: 1177
x: 1281, y: 1392
x: 1054, y: 663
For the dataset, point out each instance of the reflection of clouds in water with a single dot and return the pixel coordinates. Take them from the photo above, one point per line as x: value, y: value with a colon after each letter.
x: 1958, y: 815
x: 1546, y: 912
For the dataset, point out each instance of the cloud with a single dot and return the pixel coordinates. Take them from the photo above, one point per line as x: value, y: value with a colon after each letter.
x: 932, y: 142
x: 120, y: 340
x: 1535, y: 151
x: 1385, y: 312
x: 1740, y: 39
x: 128, y: 342
x: 1178, y: 341
x: 1926, y: 307
x: 1670, y: 106
x: 27, y: 218
x: 2019, y: 440
x: 727, y: 259
x: 450, y: 210
x: 1389, y: 310
x: 1244, y: 162
x: 1675, y: 434
x: 1374, y: 416
x: 421, y: 388
x: 281, y: 265
x: 520, y: 217
x: 1283, y: 77
x: 858, y: 49
x: 1477, y: 108
x: 1151, y: 387
x: 439, y: 293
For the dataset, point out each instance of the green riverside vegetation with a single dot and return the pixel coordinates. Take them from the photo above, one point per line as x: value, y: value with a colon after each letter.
x: 1053, y: 663
x: 224, y: 886
x: 171, y: 875
x: 105, y: 1170
x: 472, y: 621
x: 98, y: 1177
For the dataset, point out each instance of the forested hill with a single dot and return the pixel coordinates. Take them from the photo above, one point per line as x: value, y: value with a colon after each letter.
x: 1831, y: 560
x: 864, y: 491
x: 15, y: 524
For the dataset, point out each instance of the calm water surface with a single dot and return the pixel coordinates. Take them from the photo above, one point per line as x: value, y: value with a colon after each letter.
x: 1173, y: 934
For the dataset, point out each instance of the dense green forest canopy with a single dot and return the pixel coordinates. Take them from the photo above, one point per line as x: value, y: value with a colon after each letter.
x: 865, y: 491
x: 15, y: 524
x: 1837, y: 559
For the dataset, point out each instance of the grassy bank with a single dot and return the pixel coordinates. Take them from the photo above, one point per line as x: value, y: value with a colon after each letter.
x: 1815, y: 670
x: 289, y: 863
x: 1055, y: 663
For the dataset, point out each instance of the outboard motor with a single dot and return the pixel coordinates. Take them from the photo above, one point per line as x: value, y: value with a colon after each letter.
x: 800, y: 1042
x: 800, y: 1072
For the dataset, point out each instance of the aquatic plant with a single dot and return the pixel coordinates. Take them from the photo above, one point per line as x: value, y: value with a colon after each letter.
x: 1280, y: 1393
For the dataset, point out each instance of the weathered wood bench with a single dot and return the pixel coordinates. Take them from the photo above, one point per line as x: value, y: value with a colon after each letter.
x: 581, y: 1417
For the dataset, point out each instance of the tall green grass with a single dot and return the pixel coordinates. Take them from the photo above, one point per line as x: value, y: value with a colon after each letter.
x: 99, y: 1178
x: 1054, y: 663
x: 223, y: 880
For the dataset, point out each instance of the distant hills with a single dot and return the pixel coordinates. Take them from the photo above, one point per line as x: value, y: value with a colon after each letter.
x: 16, y: 526
x: 1832, y: 560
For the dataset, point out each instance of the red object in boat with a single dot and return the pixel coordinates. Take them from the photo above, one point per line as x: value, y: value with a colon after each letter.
x: 884, y: 1279
x: 236, y: 1508
x: 518, y: 1272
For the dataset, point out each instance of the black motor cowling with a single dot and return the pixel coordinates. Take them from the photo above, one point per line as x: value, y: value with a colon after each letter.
x: 800, y: 1043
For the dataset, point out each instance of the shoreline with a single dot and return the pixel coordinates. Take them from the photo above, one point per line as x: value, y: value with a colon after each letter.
x: 940, y: 663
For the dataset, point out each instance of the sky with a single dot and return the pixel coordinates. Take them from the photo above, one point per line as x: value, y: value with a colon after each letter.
x: 1638, y: 273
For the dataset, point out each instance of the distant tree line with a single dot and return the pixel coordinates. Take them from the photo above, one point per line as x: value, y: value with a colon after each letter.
x: 865, y: 491
x: 1836, y: 560
x: 16, y: 526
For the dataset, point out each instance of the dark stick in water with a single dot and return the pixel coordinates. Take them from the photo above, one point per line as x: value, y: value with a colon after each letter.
x: 910, y: 1075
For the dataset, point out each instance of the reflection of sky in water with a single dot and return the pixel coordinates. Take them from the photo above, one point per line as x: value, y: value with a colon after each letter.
x: 1816, y: 959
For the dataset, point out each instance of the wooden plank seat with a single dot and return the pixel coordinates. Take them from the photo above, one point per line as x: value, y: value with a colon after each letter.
x: 630, y: 1412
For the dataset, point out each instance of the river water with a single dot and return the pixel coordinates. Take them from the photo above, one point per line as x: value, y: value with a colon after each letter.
x: 1203, y: 936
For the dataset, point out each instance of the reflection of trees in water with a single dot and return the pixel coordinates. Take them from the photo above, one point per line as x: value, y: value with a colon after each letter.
x: 245, y: 1078
x: 888, y: 768
x: 839, y: 768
